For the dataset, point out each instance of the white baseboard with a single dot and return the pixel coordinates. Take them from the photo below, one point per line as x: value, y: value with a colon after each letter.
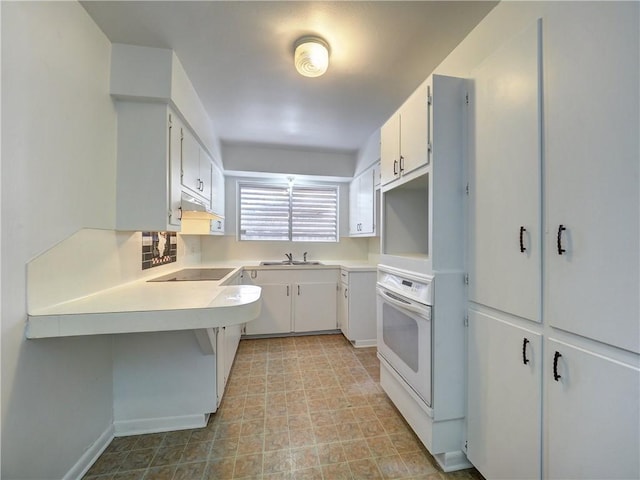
x: 365, y: 343
x: 89, y: 457
x: 141, y: 426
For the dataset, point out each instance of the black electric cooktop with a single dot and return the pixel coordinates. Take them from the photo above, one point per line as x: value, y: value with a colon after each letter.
x: 194, y: 275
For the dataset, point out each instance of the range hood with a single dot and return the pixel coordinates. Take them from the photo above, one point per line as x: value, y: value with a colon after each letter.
x: 194, y: 209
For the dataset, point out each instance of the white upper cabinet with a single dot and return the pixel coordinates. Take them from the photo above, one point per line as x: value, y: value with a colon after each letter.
x: 148, y: 173
x: 362, y: 204
x: 390, y: 149
x: 404, y: 137
x: 592, y: 210
x: 217, y: 200
x: 196, y: 167
x: 504, y: 203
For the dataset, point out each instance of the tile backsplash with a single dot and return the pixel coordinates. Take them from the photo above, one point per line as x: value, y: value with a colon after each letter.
x: 158, y: 248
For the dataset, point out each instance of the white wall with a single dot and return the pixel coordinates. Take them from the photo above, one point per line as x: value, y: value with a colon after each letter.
x: 287, y: 161
x: 58, y: 175
x: 221, y: 249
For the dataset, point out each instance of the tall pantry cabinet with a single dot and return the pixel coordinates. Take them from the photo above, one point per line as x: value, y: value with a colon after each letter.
x: 553, y: 251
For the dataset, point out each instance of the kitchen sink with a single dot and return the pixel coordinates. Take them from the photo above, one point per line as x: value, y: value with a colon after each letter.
x: 287, y: 262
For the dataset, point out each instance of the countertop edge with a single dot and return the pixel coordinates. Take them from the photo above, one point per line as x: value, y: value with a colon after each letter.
x: 106, y: 323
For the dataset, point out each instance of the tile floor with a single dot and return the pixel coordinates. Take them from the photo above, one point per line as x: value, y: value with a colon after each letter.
x: 296, y: 408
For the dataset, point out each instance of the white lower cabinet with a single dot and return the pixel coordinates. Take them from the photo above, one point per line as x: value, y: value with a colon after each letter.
x: 592, y: 414
x: 275, y: 315
x: 314, y: 307
x: 357, y: 307
x: 504, y: 398
x: 227, y: 341
x: 294, y: 300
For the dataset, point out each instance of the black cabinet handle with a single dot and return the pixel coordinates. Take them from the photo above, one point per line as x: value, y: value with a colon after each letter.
x: 556, y: 356
x: 395, y: 167
x: 401, y: 163
x: 561, y: 228
x: 525, y: 360
x: 522, y: 247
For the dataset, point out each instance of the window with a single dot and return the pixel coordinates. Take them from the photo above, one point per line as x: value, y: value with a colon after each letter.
x: 279, y: 212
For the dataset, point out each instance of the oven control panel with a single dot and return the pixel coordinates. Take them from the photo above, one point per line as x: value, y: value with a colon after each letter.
x: 407, y: 285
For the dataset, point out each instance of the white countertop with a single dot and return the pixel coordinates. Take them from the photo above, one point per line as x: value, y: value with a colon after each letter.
x: 143, y: 306
x: 352, y: 266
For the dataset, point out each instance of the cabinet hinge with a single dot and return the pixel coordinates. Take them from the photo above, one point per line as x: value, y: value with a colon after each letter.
x: 466, y: 320
x: 466, y: 279
x: 466, y: 98
x: 466, y: 446
x: 466, y: 189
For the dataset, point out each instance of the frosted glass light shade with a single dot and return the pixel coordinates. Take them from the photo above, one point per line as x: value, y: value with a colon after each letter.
x: 311, y: 56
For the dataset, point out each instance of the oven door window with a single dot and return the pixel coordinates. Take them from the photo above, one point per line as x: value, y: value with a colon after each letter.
x: 401, y: 334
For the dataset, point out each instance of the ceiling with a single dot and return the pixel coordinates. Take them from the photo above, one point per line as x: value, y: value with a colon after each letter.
x: 239, y: 57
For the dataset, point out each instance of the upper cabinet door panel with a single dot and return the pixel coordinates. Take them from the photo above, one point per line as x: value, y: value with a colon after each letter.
x: 190, y: 156
x: 390, y: 149
x: 592, y: 103
x: 414, y: 131
x: 505, y: 204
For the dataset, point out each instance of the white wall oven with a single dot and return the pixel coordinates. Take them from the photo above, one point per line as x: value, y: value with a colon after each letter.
x: 420, y: 338
x: 404, y: 327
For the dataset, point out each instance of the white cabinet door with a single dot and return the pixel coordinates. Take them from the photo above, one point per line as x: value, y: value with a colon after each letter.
x: 217, y: 194
x: 592, y: 149
x: 205, y: 175
x: 504, y: 208
x: 175, y: 190
x: 414, y: 131
x: 148, y: 167
x: 504, y: 398
x: 366, y: 203
x: 315, y: 307
x: 343, y: 309
x: 275, y: 315
x: 390, y: 149
x: 360, y: 300
x: 354, y: 219
x: 362, y: 204
x: 592, y: 415
x: 190, y: 159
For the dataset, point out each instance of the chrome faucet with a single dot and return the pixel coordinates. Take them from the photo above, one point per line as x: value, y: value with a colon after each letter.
x: 304, y: 258
x: 289, y: 257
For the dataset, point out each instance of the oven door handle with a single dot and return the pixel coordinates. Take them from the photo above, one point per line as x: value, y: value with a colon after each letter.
x: 402, y: 303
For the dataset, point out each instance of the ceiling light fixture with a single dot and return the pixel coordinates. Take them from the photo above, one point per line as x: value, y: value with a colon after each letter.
x: 311, y: 56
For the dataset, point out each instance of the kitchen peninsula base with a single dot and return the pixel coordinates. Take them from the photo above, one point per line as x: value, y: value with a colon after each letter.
x: 162, y: 381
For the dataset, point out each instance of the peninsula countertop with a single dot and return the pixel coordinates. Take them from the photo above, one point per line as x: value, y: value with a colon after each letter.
x: 143, y: 306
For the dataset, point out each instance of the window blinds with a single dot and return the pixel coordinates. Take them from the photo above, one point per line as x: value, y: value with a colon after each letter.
x: 301, y: 214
